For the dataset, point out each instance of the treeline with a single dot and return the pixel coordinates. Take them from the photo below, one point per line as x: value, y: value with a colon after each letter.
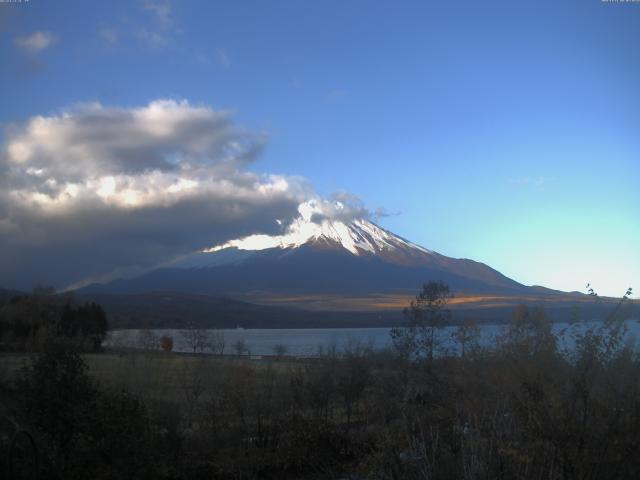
x: 525, y: 409
x: 29, y: 321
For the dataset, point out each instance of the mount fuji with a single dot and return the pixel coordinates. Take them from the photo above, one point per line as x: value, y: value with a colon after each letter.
x: 318, y: 256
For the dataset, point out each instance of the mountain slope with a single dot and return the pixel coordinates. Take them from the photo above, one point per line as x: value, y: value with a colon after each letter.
x: 317, y: 255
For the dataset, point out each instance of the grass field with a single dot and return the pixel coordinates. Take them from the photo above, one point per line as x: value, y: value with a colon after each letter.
x: 159, y: 376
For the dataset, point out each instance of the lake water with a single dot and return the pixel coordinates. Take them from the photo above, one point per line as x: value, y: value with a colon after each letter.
x: 307, y: 342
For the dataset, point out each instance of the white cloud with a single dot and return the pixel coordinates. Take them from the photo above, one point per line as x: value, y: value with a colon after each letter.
x: 36, y: 42
x: 223, y: 58
x: 109, y: 35
x: 155, y: 29
x: 158, y: 33
x: 219, y: 56
x: 165, y: 135
x: 161, y: 10
x: 152, y: 39
x: 96, y: 188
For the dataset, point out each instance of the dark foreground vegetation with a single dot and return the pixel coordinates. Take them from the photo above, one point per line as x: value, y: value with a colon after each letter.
x: 525, y: 409
x: 28, y: 322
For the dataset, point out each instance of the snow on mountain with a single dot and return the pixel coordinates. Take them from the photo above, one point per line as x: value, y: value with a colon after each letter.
x: 328, y: 249
x: 311, y: 227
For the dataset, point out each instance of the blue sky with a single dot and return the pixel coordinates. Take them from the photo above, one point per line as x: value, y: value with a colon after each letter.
x: 506, y: 132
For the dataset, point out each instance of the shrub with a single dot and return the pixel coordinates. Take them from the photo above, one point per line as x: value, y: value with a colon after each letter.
x: 166, y: 343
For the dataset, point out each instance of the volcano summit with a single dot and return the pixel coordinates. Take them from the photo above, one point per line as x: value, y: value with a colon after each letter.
x: 318, y: 255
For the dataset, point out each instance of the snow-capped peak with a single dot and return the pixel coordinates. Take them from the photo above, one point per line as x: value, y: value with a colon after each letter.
x: 312, y: 225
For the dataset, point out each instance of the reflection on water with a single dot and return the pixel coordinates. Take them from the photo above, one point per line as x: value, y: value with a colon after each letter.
x: 305, y: 342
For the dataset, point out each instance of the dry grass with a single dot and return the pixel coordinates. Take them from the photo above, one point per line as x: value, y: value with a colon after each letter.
x: 156, y: 376
x: 401, y: 300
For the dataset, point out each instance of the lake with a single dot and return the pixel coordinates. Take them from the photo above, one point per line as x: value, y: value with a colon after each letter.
x: 308, y: 342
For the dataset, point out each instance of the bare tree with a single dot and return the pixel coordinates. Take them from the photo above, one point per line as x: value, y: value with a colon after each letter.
x: 147, y: 340
x: 280, y: 350
x: 426, y: 315
x: 196, y: 338
x: 215, y: 342
x: 529, y: 332
x: 240, y: 347
x: 193, y: 389
x: 467, y: 335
